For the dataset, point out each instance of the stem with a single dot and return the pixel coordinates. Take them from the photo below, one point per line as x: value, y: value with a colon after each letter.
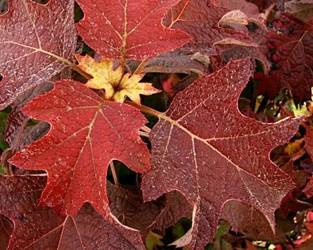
x: 123, y: 62
x: 59, y: 58
x: 148, y: 110
x: 140, y: 67
x: 127, y: 68
x: 79, y: 71
x: 124, y: 38
x: 144, y: 134
x: 146, y: 129
x: 114, y: 173
x: 10, y: 170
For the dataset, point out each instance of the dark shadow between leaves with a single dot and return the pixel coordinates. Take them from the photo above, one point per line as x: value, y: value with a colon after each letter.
x: 78, y: 13
x: 125, y: 175
x: 177, y: 231
x: 3, y: 7
x: 42, y: 2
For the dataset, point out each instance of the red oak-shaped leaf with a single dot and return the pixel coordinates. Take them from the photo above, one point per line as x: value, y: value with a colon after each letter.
x: 293, y: 56
x: 37, y: 227
x: 128, y: 28
x: 205, y: 148
x: 35, y: 41
x: 86, y: 134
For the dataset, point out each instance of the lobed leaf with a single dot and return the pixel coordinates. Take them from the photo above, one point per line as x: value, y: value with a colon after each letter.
x: 114, y: 82
x: 212, y: 35
x: 86, y: 134
x: 206, y: 149
x: 37, y: 227
x: 129, y: 28
x: 36, y: 42
x: 293, y: 57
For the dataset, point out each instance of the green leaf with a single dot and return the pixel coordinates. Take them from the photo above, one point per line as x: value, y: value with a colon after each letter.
x: 153, y: 240
x: 2, y: 170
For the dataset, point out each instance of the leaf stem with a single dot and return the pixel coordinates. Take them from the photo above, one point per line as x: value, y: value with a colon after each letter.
x: 146, y: 129
x: 114, y: 173
x: 59, y: 58
x: 79, y: 71
x: 140, y: 67
x: 144, y: 134
x: 147, y: 110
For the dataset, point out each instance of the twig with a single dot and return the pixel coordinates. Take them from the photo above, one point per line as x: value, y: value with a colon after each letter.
x: 147, y: 110
x: 79, y: 71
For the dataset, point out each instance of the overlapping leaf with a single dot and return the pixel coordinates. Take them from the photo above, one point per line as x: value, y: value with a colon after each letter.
x: 293, y: 57
x: 202, y: 146
x: 303, y: 9
x: 38, y: 227
x: 264, y: 4
x: 29, y: 53
x: 176, y: 207
x: 86, y: 134
x: 17, y: 121
x: 127, y: 205
x: 159, y: 215
x: 203, y: 20
x: 128, y: 28
x: 247, y: 220
x: 205, y: 148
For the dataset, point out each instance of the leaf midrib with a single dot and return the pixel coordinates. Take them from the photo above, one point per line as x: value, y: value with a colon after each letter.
x: 39, y: 50
x: 193, y: 136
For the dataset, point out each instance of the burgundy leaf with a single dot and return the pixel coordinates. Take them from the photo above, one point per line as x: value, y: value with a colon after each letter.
x: 15, y: 130
x: 201, y: 19
x: 176, y: 207
x: 205, y: 148
x: 127, y: 205
x: 293, y: 57
x: 26, y: 31
x: 37, y: 227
